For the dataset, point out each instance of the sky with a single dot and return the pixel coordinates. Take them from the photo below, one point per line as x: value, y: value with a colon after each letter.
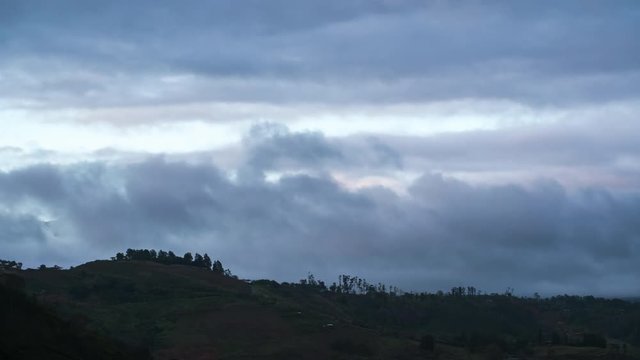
x: 423, y: 144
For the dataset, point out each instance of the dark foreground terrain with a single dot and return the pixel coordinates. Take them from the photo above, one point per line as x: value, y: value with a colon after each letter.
x: 131, y: 309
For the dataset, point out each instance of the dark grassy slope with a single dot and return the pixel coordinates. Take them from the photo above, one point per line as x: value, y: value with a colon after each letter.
x: 185, y: 312
x: 29, y: 331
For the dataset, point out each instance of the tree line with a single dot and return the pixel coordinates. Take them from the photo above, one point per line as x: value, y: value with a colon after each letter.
x: 169, y: 258
x: 347, y: 284
x: 10, y: 265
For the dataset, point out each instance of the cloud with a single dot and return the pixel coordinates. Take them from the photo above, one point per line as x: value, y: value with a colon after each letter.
x: 366, y: 52
x: 18, y: 229
x: 426, y: 144
x: 592, y: 148
x: 444, y: 232
x: 272, y: 146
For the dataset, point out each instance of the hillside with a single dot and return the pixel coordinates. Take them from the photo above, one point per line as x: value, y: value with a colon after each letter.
x: 30, y: 331
x: 186, y: 312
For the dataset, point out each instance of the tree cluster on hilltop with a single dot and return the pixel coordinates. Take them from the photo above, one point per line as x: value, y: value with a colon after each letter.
x: 10, y: 265
x: 169, y: 258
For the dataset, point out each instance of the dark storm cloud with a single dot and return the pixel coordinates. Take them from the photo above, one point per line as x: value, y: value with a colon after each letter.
x: 355, y: 51
x: 444, y: 232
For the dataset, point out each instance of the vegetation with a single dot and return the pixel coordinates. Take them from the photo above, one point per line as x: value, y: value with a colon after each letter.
x: 169, y: 258
x: 468, y: 318
x: 10, y: 264
x: 192, y: 310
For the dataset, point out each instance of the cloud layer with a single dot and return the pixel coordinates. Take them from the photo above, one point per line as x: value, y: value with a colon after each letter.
x: 441, y: 232
x: 77, y: 54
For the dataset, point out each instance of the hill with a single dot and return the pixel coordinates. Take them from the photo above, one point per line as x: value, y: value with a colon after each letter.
x: 30, y: 331
x: 178, y: 311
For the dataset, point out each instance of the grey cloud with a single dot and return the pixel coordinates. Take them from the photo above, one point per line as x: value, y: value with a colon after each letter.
x: 385, y: 154
x: 41, y: 182
x: 273, y: 147
x: 18, y: 229
x: 528, y: 218
x: 602, y: 148
x: 355, y: 51
x: 444, y: 232
x: 24, y: 234
x: 370, y: 152
x: 271, y: 143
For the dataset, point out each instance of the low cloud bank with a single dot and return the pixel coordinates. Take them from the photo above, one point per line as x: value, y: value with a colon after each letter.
x: 443, y: 232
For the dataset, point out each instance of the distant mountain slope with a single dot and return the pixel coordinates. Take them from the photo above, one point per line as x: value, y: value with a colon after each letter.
x: 187, y: 312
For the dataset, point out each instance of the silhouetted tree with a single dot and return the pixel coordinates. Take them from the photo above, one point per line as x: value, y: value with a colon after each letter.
x: 509, y: 291
x: 10, y: 264
x: 217, y: 267
x: 169, y: 257
x: 471, y: 291
x: 198, y: 260
x: 163, y: 257
x: 207, y: 261
x: 458, y: 291
x: 333, y: 287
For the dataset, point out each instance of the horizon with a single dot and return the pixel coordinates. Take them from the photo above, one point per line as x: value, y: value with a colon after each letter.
x: 508, y: 290
x: 425, y: 145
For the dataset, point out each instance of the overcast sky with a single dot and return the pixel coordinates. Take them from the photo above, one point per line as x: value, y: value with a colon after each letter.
x: 425, y: 144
